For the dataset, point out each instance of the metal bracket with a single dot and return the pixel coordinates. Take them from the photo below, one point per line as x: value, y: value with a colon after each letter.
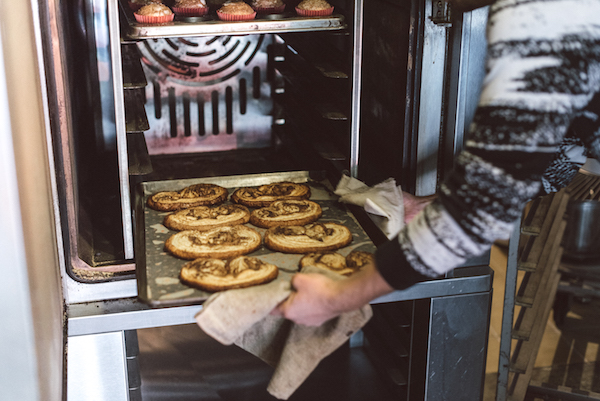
x: 441, y: 13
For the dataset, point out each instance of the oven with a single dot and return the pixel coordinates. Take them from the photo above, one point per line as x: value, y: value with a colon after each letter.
x: 378, y: 89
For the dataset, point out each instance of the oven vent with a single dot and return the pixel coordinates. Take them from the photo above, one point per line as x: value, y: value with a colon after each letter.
x: 207, y: 94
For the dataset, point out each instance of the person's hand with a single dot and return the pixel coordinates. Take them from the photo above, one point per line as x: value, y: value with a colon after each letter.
x: 414, y: 204
x: 312, y: 299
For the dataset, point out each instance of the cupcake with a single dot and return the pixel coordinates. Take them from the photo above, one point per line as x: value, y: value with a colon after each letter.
x: 236, y: 11
x: 268, y: 6
x: 137, y: 4
x: 190, y: 8
x: 154, y: 14
x: 314, y: 8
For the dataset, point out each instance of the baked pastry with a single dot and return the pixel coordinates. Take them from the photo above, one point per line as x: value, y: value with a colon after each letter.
x: 268, y: 6
x: 194, y: 195
x: 154, y: 13
x: 190, y: 8
x: 269, y: 193
x: 336, y: 262
x: 204, y: 218
x: 236, y: 11
x: 314, y: 8
x: 136, y: 4
x: 286, y: 213
x: 220, y: 243
x: 314, y: 237
x: 218, y: 275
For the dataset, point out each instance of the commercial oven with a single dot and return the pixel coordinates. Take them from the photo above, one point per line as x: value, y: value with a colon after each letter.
x: 378, y: 89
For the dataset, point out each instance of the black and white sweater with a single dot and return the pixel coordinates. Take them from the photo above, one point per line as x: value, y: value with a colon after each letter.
x: 538, y: 107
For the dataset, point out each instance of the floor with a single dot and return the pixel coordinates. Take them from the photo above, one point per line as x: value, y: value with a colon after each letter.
x: 179, y: 363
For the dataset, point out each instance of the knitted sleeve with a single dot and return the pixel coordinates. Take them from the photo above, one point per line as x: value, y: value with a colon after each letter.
x: 542, y: 72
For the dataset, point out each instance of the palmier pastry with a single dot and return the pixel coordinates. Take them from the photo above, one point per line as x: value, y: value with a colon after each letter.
x: 194, y: 195
x: 336, y: 262
x: 204, y: 218
x: 221, y: 242
x: 286, y: 213
x: 314, y: 237
x: 269, y: 193
x: 219, y: 275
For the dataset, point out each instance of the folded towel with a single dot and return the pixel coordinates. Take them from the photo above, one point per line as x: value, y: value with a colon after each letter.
x: 382, y: 201
x: 242, y: 317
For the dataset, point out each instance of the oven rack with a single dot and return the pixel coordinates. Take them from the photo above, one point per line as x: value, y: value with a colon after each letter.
x: 210, y: 25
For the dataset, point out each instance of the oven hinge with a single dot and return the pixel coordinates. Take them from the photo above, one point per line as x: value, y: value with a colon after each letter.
x: 441, y: 13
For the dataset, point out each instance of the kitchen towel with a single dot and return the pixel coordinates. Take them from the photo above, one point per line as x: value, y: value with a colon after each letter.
x: 383, y: 202
x: 242, y: 317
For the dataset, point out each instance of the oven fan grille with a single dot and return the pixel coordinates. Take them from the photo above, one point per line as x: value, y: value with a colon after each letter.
x: 207, y: 94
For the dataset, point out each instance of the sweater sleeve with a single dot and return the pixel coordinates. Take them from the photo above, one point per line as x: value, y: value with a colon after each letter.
x: 540, y: 75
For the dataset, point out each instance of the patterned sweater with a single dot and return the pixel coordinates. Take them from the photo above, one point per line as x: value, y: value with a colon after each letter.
x: 538, y: 108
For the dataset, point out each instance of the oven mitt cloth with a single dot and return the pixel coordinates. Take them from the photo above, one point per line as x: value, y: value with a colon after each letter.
x: 383, y: 202
x: 242, y: 317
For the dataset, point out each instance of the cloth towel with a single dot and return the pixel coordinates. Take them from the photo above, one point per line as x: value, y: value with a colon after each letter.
x: 242, y: 317
x: 383, y: 202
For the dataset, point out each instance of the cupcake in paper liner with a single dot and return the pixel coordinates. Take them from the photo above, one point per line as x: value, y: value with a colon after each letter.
x: 190, y: 8
x: 314, y: 8
x: 236, y: 11
x: 268, y: 6
x: 154, y: 14
x: 137, y: 4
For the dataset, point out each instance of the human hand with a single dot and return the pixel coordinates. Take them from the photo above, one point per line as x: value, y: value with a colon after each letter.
x: 311, y: 302
x: 414, y: 204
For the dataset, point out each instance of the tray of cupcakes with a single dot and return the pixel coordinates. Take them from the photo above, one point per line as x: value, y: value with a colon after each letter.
x: 178, y: 18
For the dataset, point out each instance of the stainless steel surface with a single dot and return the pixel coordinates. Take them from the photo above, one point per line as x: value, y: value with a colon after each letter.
x: 158, y: 271
x: 97, y: 368
x: 119, y: 104
x: 207, y: 94
x: 356, y: 87
x: 211, y: 25
x: 457, y: 347
x: 582, y: 235
x: 430, y: 109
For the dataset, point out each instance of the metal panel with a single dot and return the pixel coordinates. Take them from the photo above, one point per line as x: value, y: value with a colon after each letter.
x: 97, y: 368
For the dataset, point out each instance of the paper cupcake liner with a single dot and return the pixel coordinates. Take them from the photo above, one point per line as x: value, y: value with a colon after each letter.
x: 190, y: 11
x: 269, y: 10
x: 235, y: 17
x: 314, y: 13
x: 153, y: 19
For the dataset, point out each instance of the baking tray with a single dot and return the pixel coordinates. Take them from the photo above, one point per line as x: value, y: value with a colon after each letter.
x: 210, y: 25
x: 157, y: 271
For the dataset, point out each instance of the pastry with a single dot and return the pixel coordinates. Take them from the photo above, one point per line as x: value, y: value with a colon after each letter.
x: 269, y: 193
x: 136, y: 4
x: 194, y: 195
x: 204, y: 218
x: 336, y: 262
x: 286, y: 213
x: 220, y: 243
x: 154, y: 13
x: 314, y: 237
x: 268, y: 6
x: 219, y: 275
x: 190, y: 8
x: 236, y: 11
x: 314, y: 8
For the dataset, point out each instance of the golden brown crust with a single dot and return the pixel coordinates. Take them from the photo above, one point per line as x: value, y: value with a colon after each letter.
x: 313, y: 5
x: 218, y: 275
x: 194, y: 195
x: 220, y: 243
x: 314, y: 237
x: 154, y: 9
x: 269, y: 193
x: 336, y: 262
x: 286, y: 213
x: 203, y: 218
x: 236, y: 7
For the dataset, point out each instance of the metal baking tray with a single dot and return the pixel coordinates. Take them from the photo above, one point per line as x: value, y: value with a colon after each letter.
x: 210, y: 25
x: 157, y: 271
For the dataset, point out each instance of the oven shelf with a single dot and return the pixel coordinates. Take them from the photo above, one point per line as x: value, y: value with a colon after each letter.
x: 210, y: 25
